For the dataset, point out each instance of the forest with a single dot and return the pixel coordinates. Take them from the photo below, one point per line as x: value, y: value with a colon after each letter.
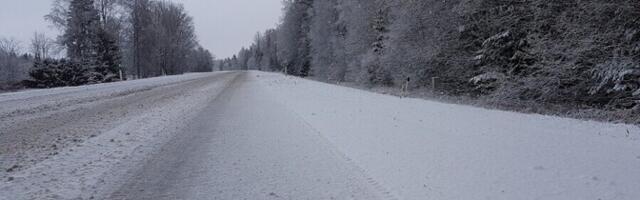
x: 559, y: 56
x: 105, y: 41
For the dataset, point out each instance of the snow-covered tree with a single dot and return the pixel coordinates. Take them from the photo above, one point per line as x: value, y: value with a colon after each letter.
x: 201, y: 60
x: 175, y: 36
x: 327, y: 37
x: 50, y: 73
x: 109, y: 59
x: 81, y: 33
x: 509, y: 52
x: 294, y: 41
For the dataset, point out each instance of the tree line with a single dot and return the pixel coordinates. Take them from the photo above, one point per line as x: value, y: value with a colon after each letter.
x: 13, y: 64
x: 111, y: 40
x: 568, y: 52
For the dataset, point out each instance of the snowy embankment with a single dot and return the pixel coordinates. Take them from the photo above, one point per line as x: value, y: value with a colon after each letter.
x: 81, y: 142
x: 420, y: 149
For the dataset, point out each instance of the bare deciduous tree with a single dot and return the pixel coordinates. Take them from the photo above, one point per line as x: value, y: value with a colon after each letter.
x: 13, y: 66
x: 41, y: 46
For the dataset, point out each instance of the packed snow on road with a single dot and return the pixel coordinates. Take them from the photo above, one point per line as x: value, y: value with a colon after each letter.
x: 257, y: 135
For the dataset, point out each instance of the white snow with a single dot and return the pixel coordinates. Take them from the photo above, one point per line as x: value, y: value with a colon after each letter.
x: 420, y: 149
x: 97, y: 166
x: 247, y: 145
x: 42, y: 97
x: 403, y: 148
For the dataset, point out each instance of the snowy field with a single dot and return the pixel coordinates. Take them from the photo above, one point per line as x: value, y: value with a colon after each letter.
x: 256, y: 135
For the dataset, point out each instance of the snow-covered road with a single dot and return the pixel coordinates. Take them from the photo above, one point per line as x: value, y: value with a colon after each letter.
x: 246, y: 145
x: 254, y: 135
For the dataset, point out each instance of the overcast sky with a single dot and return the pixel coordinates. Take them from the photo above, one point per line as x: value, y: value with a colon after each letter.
x: 223, y: 26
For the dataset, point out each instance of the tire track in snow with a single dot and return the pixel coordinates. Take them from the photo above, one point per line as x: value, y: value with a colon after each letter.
x: 34, y: 136
x: 96, y: 166
x: 383, y: 192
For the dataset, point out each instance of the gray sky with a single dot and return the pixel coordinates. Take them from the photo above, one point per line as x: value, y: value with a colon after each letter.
x: 223, y: 26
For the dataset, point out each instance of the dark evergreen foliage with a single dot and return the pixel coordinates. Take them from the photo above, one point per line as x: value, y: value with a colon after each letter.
x: 51, y: 73
x: 108, y: 63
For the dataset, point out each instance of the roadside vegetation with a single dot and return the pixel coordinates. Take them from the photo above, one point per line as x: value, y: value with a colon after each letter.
x: 570, y: 57
x: 105, y: 41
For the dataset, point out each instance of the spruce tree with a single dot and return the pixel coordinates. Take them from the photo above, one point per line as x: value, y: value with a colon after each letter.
x: 379, y: 25
x: 83, y: 23
x: 108, y: 57
x: 89, y: 44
